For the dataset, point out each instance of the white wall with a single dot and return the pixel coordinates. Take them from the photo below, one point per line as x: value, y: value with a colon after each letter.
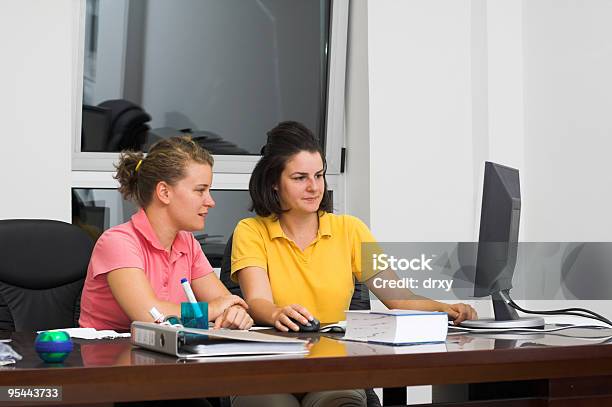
x: 568, y: 100
x: 357, y: 165
x: 568, y: 105
x: 421, y: 157
x: 37, y: 80
x: 505, y: 100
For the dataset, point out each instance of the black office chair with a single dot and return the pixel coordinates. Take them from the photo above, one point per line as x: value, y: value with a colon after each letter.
x: 359, y: 301
x: 43, y: 264
x: 128, y: 127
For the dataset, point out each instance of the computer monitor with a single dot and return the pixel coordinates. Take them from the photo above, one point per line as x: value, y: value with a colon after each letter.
x: 95, y: 132
x: 498, y: 247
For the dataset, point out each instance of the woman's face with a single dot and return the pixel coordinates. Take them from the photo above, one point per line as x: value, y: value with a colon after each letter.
x: 191, y: 198
x: 302, y: 183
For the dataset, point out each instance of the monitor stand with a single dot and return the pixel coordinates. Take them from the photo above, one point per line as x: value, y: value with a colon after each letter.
x: 506, y: 317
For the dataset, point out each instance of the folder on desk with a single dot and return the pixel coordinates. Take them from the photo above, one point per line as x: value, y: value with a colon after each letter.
x: 196, y: 343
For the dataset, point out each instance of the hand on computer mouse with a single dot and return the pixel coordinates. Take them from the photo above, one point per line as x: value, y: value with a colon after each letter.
x: 311, y: 326
x: 292, y: 318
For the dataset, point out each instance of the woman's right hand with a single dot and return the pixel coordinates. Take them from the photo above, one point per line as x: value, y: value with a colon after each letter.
x: 217, y: 306
x: 282, y: 316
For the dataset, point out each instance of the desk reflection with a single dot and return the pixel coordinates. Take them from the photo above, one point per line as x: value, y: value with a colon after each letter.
x: 120, y: 352
x: 106, y: 354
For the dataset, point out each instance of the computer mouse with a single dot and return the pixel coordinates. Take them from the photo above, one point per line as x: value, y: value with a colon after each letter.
x: 313, y: 326
x: 334, y: 329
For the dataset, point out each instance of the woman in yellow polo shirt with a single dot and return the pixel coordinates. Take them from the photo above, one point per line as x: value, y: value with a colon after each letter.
x: 296, y: 259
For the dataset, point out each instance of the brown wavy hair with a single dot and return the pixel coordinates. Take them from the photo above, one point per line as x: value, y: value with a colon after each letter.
x: 166, y: 161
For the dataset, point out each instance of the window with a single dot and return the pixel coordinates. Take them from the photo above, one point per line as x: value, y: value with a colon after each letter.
x: 224, y: 71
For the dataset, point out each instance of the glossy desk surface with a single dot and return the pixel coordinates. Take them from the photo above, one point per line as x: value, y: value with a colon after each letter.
x: 114, y: 370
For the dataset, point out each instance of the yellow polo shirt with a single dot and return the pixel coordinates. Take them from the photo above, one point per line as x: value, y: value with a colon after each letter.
x: 321, y: 277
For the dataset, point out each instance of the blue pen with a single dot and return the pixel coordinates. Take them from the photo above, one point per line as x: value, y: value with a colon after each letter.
x: 197, y: 312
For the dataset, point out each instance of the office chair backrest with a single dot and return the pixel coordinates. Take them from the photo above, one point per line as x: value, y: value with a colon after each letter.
x: 43, y: 264
x: 128, y: 129
x: 359, y: 301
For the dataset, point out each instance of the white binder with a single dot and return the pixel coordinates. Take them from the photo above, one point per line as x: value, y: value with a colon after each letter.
x: 195, y: 343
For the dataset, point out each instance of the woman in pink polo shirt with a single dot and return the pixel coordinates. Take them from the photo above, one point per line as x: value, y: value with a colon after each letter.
x: 139, y: 264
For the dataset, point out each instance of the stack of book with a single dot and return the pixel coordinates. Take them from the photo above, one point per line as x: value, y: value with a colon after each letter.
x: 396, y: 327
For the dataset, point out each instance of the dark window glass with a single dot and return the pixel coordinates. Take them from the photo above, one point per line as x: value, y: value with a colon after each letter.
x: 224, y: 71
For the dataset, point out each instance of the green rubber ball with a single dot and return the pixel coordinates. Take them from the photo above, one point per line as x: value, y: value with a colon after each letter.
x: 53, y: 346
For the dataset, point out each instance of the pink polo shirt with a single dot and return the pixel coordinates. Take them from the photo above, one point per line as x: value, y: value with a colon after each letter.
x: 135, y: 245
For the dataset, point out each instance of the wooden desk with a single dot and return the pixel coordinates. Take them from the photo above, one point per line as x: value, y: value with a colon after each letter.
x: 106, y: 371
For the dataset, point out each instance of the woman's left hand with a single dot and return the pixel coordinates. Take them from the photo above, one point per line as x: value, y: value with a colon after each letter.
x: 234, y: 317
x: 460, y: 312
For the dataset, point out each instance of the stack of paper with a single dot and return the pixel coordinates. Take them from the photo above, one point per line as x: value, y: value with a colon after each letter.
x: 91, y: 333
x: 233, y: 342
x: 8, y: 355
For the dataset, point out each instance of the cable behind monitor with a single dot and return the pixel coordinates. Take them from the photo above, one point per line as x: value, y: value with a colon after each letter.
x: 565, y: 311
